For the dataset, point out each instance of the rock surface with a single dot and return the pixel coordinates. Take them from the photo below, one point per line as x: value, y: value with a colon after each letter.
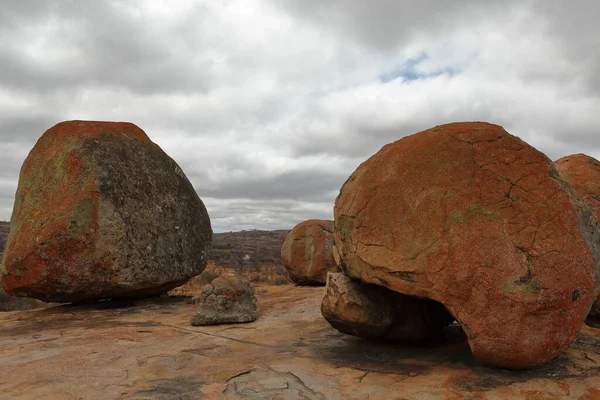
x: 228, y: 299
x: 308, y: 252
x: 146, y: 349
x: 583, y: 173
x: 472, y: 217
x: 375, y: 312
x: 11, y: 303
x: 102, y: 212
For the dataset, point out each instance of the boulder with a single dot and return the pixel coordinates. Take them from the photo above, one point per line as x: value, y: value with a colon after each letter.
x: 308, y: 252
x: 474, y: 218
x: 228, y: 299
x: 375, y: 312
x: 102, y: 212
x: 582, y: 172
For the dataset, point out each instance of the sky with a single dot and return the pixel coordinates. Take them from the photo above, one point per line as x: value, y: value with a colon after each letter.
x: 269, y: 106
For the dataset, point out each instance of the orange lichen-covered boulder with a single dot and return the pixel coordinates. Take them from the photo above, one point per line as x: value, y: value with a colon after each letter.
x: 308, y: 252
x: 472, y: 217
x: 583, y: 173
x: 102, y: 212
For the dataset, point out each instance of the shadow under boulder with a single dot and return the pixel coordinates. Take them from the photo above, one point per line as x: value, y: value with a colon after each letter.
x: 375, y: 312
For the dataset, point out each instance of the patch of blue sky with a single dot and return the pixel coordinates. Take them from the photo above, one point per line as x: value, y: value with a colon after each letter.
x: 408, y: 71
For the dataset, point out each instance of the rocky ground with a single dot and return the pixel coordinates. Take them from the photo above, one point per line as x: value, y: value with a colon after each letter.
x: 148, y: 350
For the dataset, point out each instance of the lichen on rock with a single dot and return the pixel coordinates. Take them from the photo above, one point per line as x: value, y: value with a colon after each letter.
x: 102, y: 212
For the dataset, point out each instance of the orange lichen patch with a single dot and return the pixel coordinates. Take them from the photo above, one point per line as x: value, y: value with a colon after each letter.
x: 63, y: 183
x: 472, y: 217
x: 564, y: 386
x: 591, y: 394
x: 538, y: 395
x: 93, y: 129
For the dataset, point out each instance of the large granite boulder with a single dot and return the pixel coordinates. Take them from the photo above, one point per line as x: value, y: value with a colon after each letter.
x: 228, y: 299
x: 474, y: 218
x: 102, y: 212
x: 308, y: 252
x: 583, y: 173
x: 376, y: 312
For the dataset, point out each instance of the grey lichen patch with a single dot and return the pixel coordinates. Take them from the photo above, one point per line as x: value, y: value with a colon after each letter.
x: 346, y: 226
x: 459, y: 216
x: 81, y: 219
x: 158, y: 229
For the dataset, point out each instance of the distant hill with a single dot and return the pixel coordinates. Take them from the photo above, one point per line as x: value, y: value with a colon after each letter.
x: 247, y: 248
x: 255, y: 254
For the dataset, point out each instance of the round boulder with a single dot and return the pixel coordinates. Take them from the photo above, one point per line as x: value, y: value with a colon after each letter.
x: 102, y: 212
x: 308, y: 252
x: 474, y: 218
x: 582, y: 172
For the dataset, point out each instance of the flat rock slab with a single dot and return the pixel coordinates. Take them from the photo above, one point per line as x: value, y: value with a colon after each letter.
x: 147, y: 350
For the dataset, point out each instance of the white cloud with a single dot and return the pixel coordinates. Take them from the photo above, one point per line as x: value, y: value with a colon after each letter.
x: 269, y: 106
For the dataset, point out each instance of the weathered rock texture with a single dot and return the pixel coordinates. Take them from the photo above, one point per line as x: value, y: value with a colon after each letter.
x: 308, y: 252
x: 376, y: 312
x: 467, y: 215
x: 11, y: 303
x: 583, y: 173
x: 227, y: 299
x: 145, y: 349
x: 102, y: 212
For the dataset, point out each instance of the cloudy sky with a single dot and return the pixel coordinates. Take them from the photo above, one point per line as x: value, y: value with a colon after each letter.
x: 268, y: 106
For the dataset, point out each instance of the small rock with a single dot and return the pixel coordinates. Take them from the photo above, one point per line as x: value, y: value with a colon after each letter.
x: 228, y: 299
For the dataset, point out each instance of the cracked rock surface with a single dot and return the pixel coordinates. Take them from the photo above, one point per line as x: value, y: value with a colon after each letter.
x: 308, y: 252
x: 474, y: 218
x: 102, y: 212
x: 146, y: 350
x: 228, y: 299
x: 582, y: 172
x: 375, y: 312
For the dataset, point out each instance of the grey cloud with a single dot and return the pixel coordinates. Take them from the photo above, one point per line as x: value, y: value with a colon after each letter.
x: 575, y: 26
x: 103, y: 46
x: 25, y: 129
x: 387, y: 24
x: 304, y: 185
x: 249, y: 214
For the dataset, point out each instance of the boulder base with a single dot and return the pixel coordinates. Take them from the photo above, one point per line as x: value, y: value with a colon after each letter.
x: 102, y: 212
